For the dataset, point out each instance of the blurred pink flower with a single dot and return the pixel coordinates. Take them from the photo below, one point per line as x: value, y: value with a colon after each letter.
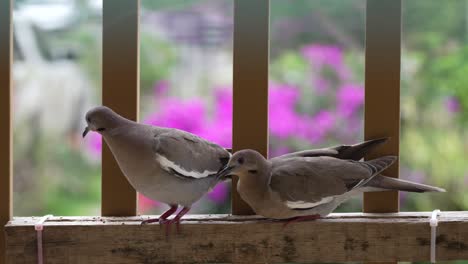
x: 321, y: 85
x: 93, y: 142
x: 161, y: 88
x: 145, y: 203
x: 349, y: 98
x: 349, y: 128
x: 281, y: 106
x: 278, y: 151
x: 326, y: 55
x: 320, y: 125
x: 282, y: 116
x: 220, y: 192
x: 219, y: 129
x: 218, y: 132
x: 452, y: 104
x: 187, y: 115
x: 320, y: 55
x: 223, y: 104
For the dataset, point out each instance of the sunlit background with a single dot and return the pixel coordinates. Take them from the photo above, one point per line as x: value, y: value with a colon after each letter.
x: 316, y: 91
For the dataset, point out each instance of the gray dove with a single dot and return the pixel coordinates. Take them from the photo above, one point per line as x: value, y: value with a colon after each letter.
x: 164, y: 164
x: 353, y: 152
x: 300, y: 187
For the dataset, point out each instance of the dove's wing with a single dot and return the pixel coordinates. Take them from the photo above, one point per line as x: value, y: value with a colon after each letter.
x: 303, y: 183
x: 353, y: 152
x: 187, y: 155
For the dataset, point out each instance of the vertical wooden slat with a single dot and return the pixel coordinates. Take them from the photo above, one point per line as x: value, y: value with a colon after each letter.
x: 6, y: 157
x: 120, y: 91
x: 251, y: 57
x: 382, y: 96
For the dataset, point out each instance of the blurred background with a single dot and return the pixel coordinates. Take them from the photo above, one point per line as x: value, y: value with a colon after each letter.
x: 316, y: 91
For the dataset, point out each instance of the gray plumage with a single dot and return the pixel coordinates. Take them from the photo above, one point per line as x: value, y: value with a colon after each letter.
x: 302, y: 185
x: 168, y: 165
x: 352, y: 152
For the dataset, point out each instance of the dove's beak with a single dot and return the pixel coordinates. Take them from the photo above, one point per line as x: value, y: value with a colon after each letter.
x: 224, y: 173
x: 86, y: 130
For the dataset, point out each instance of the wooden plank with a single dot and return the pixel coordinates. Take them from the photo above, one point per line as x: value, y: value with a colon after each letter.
x: 337, y: 238
x: 382, y: 96
x: 120, y: 91
x: 250, y: 82
x: 6, y: 155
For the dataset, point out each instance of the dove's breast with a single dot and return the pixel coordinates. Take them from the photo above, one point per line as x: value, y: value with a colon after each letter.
x: 138, y: 162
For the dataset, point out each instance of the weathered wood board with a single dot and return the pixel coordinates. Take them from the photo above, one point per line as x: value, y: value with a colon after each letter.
x: 240, y: 239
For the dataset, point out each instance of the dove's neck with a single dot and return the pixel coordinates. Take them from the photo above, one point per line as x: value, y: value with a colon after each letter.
x: 253, y: 188
x: 128, y: 136
x: 131, y: 145
x: 116, y: 123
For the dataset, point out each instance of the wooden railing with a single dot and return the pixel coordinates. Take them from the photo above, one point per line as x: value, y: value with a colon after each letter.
x: 6, y: 133
x: 250, y: 130
x: 250, y: 87
x: 120, y: 91
x: 382, y: 91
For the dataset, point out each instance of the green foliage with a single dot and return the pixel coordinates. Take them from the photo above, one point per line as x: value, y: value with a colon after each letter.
x: 429, y: 24
x: 81, y: 188
x: 154, y: 65
x: 304, y: 21
x: 87, y: 38
x: 168, y: 4
x: 58, y: 179
x: 289, y: 67
x: 449, y: 73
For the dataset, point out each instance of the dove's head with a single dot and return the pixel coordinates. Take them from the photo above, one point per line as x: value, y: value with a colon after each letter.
x: 243, y: 163
x: 101, y: 119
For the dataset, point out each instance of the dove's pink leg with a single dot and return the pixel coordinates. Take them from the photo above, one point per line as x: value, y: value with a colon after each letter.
x: 301, y: 218
x: 163, y: 218
x: 178, y: 217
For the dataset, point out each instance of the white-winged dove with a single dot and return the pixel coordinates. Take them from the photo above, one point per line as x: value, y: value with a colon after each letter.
x: 164, y: 164
x: 308, y: 185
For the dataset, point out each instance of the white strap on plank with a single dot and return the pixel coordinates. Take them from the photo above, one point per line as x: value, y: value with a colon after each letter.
x: 39, y: 226
x: 434, y: 221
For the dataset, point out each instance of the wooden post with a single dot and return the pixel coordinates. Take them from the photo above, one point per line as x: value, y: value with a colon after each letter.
x: 120, y: 91
x: 6, y: 155
x: 251, y: 57
x: 382, y: 103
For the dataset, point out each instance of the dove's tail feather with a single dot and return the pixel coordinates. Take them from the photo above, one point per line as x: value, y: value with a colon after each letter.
x: 375, y: 166
x: 357, y: 151
x: 348, y: 152
x: 389, y: 183
x: 380, y: 164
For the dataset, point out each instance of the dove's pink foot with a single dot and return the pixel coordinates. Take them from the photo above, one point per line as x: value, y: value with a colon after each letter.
x: 177, y: 218
x: 301, y: 218
x: 163, y: 218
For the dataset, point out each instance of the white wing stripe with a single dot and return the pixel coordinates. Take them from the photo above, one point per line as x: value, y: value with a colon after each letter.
x: 304, y: 205
x: 167, y: 165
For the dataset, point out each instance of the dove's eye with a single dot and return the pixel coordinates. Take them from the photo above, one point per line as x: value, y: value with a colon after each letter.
x: 240, y: 161
x: 253, y: 171
x: 88, y: 119
x: 101, y: 129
